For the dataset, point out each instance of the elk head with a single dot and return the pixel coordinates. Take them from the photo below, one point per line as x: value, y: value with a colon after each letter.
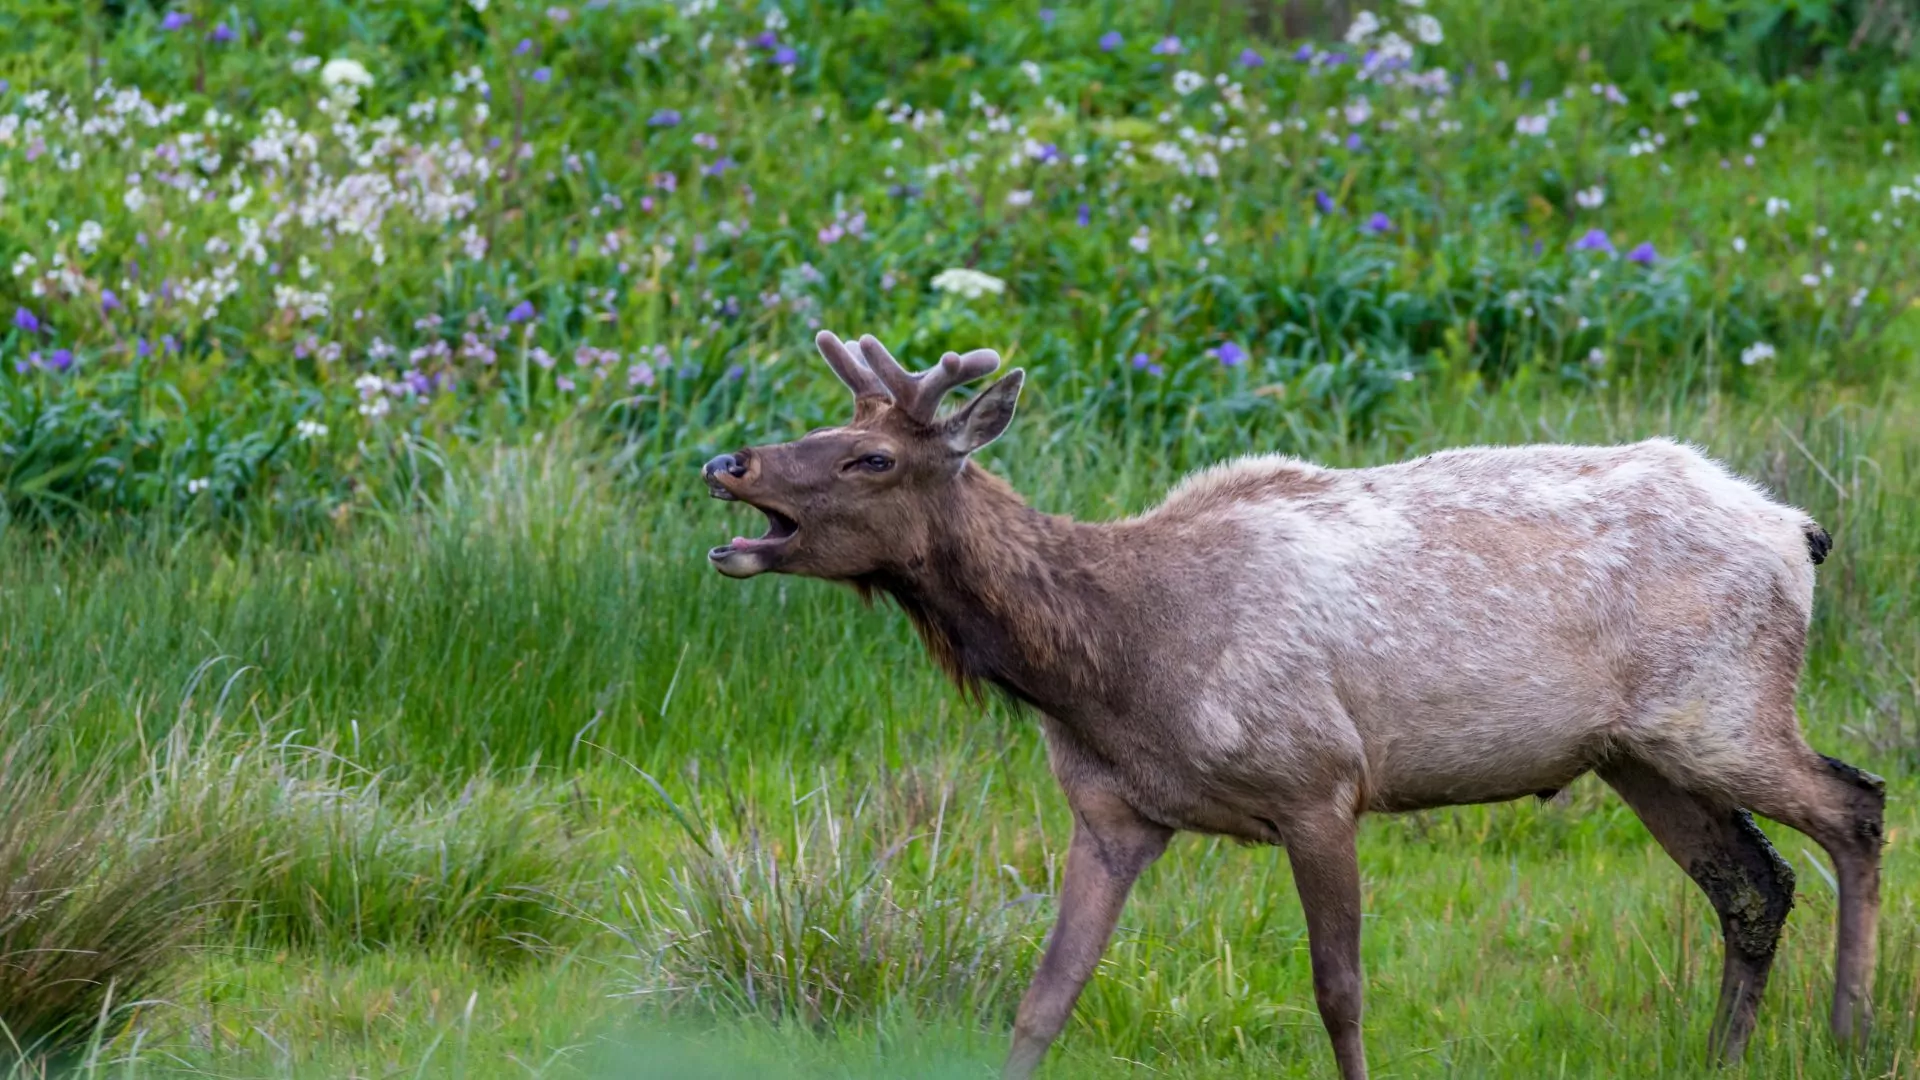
x: 852, y: 502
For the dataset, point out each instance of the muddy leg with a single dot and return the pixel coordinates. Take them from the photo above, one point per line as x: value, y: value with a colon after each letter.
x: 1326, y: 870
x: 1111, y: 845
x: 1841, y: 808
x: 1748, y: 883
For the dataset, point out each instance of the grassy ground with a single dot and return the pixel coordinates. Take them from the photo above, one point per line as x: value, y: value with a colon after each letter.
x: 370, y: 709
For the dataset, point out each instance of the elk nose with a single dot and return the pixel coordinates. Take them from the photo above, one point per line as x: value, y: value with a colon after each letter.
x: 725, y: 463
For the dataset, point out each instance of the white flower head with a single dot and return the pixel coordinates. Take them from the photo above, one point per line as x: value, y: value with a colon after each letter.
x: 1592, y: 198
x: 1365, y: 25
x: 344, y: 73
x: 1426, y: 28
x: 1756, y: 352
x: 968, y: 284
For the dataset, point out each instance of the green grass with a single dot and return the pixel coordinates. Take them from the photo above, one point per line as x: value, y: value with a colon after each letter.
x: 359, y: 624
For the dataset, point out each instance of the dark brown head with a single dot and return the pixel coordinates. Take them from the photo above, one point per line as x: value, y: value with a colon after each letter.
x: 853, y: 502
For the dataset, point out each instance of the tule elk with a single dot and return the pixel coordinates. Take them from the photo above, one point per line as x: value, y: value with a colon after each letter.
x: 1279, y: 648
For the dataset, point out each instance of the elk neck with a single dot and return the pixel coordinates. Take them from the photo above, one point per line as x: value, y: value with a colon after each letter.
x: 1009, y: 597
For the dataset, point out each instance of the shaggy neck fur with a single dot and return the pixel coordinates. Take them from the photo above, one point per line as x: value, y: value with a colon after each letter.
x: 1009, y: 597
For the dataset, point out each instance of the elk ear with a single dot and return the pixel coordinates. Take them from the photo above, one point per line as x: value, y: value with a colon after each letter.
x: 982, y: 420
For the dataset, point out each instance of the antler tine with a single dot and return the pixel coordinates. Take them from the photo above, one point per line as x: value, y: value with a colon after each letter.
x: 920, y: 394
x: 849, y: 367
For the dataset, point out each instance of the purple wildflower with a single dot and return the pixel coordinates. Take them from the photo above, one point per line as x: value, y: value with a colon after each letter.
x: 766, y: 39
x: 141, y: 348
x: 664, y: 118
x: 1594, y: 240
x: 26, y: 320
x: 526, y: 46
x: 1303, y: 54
x: 1323, y: 202
x: 1168, y: 46
x: 719, y: 166
x: 108, y: 301
x: 1378, y: 223
x: 736, y: 373
x: 1085, y: 215
x: 542, y: 74
x: 1643, y: 254
x: 1046, y: 16
x: 785, y: 56
x: 1110, y: 41
x: 1140, y: 361
x: 640, y: 374
x: 175, y: 20
x: 1902, y: 118
x: 520, y: 312
x: 1355, y: 142
x: 222, y: 33
x: 171, y: 343
x: 1251, y: 58
x: 1047, y: 152
x: 59, y: 360
x: 1336, y: 59
x: 1230, y: 354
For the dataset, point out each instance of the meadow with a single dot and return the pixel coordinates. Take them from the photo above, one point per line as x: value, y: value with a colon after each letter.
x: 370, y: 709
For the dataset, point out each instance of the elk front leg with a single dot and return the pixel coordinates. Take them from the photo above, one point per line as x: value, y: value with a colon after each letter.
x: 1326, y: 870
x: 1111, y: 845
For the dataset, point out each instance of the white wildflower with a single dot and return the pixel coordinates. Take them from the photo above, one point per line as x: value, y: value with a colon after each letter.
x: 89, y: 236
x: 1776, y: 207
x: 1186, y: 82
x: 1426, y: 28
x: 968, y: 284
x: 310, y: 429
x: 1365, y: 25
x: 1592, y: 198
x: 1756, y: 352
x: 344, y: 74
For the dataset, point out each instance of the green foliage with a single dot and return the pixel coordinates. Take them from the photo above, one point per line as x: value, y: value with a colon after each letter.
x: 273, y: 264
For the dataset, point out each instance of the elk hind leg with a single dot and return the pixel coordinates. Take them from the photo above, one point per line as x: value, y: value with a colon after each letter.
x: 1746, y: 880
x: 1842, y: 808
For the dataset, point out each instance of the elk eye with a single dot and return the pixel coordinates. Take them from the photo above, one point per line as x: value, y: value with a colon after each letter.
x: 876, y: 463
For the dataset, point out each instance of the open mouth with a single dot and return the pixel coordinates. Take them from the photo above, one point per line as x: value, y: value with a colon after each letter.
x: 780, y: 529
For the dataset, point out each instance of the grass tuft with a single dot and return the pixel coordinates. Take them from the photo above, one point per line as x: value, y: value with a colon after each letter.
x: 826, y: 908
x: 94, y: 915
